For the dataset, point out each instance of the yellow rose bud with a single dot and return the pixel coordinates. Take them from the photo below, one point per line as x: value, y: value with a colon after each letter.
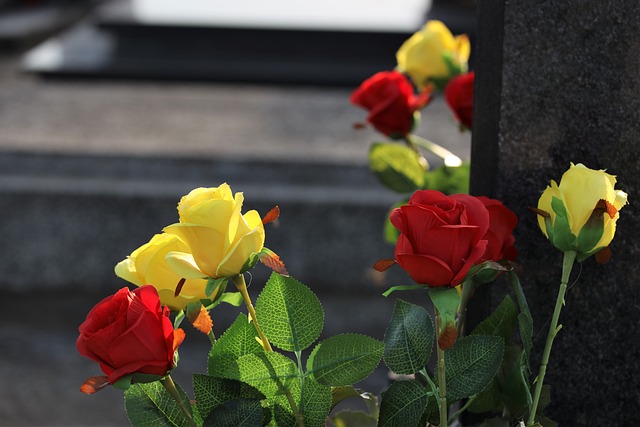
x: 581, y: 213
x: 220, y: 238
x: 147, y: 265
x: 433, y: 55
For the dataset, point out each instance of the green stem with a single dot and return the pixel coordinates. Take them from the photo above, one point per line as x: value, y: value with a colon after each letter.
x: 449, y: 158
x: 409, y: 139
x: 427, y: 377
x: 170, y: 386
x: 456, y: 414
x: 241, y: 285
x: 212, y: 337
x: 442, y: 382
x: 467, y: 290
x: 567, y: 264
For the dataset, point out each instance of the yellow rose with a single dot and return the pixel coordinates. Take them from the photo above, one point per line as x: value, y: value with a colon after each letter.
x: 147, y: 265
x: 433, y: 55
x: 220, y: 238
x: 581, y: 213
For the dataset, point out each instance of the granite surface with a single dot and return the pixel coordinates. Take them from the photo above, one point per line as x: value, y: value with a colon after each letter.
x: 571, y: 93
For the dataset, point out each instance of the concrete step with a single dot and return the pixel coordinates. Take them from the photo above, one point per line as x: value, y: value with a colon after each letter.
x: 70, y: 218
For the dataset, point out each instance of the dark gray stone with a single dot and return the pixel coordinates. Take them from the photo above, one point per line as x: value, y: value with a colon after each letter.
x: 569, y: 91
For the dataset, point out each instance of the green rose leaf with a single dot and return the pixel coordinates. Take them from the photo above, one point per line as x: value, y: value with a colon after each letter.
x: 488, y: 400
x: 348, y: 418
x: 344, y: 359
x: 449, y: 179
x: 213, y: 284
x: 517, y: 395
x: 237, y: 341
x: 396, y: 166
x: 270, y: 373
x: 151, y: 404
x: 403, y: 404
x: 316, y: 403
x: 501, y: 322
x: 471, y: 364
x: 211, y: 392
x: 290, y: 314
x: 237, y: 413
x: 408, y: 340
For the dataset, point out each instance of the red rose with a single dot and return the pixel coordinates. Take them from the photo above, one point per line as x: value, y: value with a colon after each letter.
x: 441, y: 236
x: 391, y: 102
x: 502, y: 222
x: 129, y: 333
x: 459, y: 96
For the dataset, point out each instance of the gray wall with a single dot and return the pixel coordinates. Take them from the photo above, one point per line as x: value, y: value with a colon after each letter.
x: 560, y: 83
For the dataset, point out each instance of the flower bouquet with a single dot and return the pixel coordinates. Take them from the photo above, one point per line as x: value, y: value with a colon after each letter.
x: 269, y: 368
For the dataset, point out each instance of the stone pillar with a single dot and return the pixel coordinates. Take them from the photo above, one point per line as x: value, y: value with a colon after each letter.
x: 559, y: 82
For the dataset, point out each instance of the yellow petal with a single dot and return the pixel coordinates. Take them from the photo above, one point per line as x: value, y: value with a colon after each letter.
x: 184, y: 265
x: 201, y: 195
x: 206, y: 244
x: 238, y: 255
x: 126, y: 270
x: 544, y: 204
x: 581, y: 189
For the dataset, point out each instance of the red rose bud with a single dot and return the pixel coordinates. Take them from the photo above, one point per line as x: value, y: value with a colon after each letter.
x: 129, y: 333
x: 390, y: 99
x: 499, y: 237
x: 441, y: 237
x: 459, y: 96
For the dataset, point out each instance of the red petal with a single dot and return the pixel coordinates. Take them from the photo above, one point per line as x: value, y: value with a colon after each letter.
x: 426, y: 270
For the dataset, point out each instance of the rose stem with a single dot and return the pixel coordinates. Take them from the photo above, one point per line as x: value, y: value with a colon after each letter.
x: 567, y: 264
x: 409, y: 139
x: 241, y: 285
x: 449, y: 158
x: 170, y: 386
x: 442, y: 382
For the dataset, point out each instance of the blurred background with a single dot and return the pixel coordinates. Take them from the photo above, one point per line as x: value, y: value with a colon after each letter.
x: 110, y: 111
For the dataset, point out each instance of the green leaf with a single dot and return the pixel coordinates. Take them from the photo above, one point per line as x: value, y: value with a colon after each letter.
x: 501, y: 322
x: 563, y: 238
x: 237, y: 341
x: 448, y: 179
x: 270, y: 373
x: 344, y: 359
x: 348, y: 418
x: 236, y: 413
x: 151, y: 405
x: 403, y: 404
x: 408, y: 340
x: 516, y: 391
x: 212, y: 285
x: 211, y: 392
x: 231, y: 298
x: 402, y: 288
x: 396, y: 166
x: 496, y: 422
x: 471, y: 364
x: 446, y: 303
x: 488, y: 400
x: 315, y: 403
x: 289, y: 313
x: 525, y: 320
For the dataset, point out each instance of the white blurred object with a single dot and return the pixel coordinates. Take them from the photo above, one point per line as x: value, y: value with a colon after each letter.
x: 355, y: 15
